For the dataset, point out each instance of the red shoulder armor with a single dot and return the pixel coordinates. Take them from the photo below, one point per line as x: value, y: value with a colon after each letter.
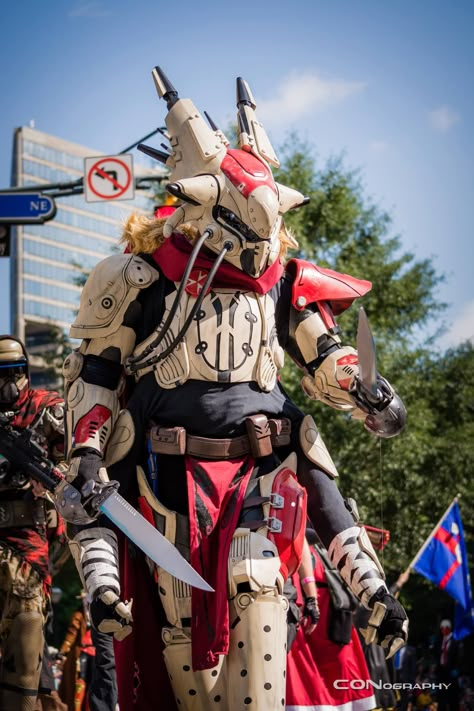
x: 313, y: 285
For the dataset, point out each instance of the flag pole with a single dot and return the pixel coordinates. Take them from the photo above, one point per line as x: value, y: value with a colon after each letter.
x: 454, y: 501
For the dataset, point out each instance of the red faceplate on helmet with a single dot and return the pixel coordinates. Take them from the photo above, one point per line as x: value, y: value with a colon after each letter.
x: 246, y: 172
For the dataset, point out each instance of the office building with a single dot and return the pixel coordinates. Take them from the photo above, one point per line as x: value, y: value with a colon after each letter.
x: 50, y: 261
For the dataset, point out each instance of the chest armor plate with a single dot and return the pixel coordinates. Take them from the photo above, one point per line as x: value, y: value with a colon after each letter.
x: 232, y: 339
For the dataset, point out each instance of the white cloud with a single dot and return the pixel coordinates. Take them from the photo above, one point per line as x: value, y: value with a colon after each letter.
x: 299, y: 94
x: 90, y: 9
x: 443, y: 118
x: 462, y: 328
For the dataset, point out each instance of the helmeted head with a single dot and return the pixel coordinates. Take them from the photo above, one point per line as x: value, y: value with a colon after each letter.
x: 230, y: 193
x: 13, y: 371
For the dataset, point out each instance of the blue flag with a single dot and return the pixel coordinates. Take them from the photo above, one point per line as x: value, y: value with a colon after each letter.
x: 443, y: 560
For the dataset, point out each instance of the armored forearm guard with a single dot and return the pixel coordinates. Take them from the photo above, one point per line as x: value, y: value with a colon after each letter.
x: 92, y: 409
x: 95, y: 552
x: 333, y: 380
x: 353, y: 554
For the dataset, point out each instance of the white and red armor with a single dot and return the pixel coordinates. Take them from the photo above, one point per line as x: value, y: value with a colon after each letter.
x: 202, y: 326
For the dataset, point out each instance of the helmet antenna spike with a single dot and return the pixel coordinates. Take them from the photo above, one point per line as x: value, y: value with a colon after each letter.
x: 244, y: 95
x: 216, y: 128
x: 252, y: 135
x: 153, y: 152
x: 164, y: 87
x: 211, y: 122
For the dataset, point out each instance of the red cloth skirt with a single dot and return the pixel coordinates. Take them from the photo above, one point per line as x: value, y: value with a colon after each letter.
x: 315, y: 663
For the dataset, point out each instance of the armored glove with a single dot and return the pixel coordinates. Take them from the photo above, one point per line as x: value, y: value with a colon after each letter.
x: 388, y: 623
x: 87, y: 483
x: 110, y: 615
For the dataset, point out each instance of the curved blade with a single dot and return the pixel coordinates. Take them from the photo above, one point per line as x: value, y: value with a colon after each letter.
x: 367, y: 359
x: 151, y: 541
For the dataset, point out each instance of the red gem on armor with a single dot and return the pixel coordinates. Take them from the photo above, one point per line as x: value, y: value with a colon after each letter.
x: 196, y: 282
x: 345, y: 383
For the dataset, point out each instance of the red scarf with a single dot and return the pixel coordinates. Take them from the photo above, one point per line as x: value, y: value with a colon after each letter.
x: 173, y: 255
x: 30, y: 403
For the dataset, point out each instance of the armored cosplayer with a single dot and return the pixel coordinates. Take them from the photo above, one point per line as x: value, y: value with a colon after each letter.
x: 28, y: 523
x: 174, y: 393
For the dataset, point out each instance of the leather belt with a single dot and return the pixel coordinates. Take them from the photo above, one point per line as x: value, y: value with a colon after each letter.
x: 210, y: 448
x: 263, y: 435
x: 22, y: 513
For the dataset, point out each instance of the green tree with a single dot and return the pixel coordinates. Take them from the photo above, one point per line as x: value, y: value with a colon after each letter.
x: 403, y: 484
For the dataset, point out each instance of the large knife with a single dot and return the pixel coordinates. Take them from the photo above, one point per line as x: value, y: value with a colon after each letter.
x: 23, y: 453
x: 106, y: 499
x: 150, y: 540
x: 367, y: 360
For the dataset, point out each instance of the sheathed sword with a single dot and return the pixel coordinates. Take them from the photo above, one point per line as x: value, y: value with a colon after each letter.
x: 22, y: 452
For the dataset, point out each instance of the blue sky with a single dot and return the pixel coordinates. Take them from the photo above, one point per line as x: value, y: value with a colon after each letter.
x: 388, y: 83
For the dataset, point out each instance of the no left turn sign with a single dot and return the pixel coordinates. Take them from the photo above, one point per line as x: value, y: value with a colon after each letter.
x: 109, y: 178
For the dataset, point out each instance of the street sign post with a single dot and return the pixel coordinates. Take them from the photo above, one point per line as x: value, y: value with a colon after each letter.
x: 26, y: 208
x: 109, y: 178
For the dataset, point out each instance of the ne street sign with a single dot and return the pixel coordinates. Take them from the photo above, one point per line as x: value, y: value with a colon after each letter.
x: 26, y: 208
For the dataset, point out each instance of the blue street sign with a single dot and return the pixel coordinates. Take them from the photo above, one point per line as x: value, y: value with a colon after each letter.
x: 26, y: 208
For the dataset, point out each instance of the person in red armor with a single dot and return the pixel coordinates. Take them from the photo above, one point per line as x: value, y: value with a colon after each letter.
x: 28, y: 522
x: 174, y: 392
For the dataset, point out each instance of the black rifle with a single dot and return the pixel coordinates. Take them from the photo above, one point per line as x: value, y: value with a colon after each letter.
x: 24, y: 454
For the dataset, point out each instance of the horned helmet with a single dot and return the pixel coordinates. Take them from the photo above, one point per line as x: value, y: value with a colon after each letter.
x: 13, y: 371
x: 228, y: 193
